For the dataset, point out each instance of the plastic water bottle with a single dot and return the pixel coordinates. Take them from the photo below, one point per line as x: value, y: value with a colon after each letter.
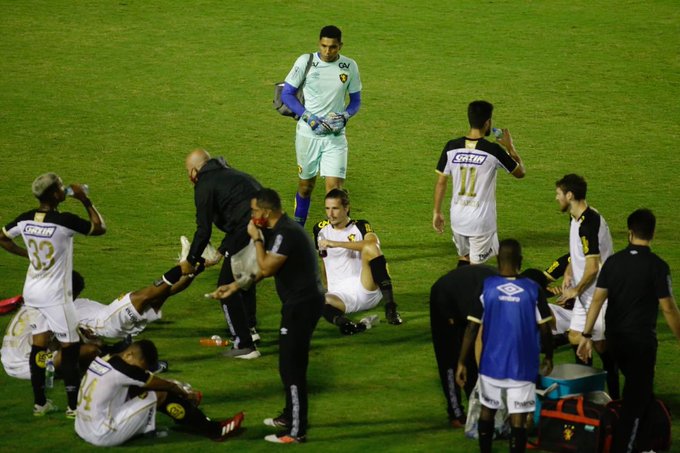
x: 49, y: 373
x: 323, y: 252
x: 69, y: 190
x: 498, y: 133
x: 215, y: 340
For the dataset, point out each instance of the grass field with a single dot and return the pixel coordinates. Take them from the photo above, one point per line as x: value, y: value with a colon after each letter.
x: 114, y: 94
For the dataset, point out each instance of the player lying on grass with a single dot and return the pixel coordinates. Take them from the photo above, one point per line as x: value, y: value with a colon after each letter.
x: 119, y: 398
x: 354, y: 267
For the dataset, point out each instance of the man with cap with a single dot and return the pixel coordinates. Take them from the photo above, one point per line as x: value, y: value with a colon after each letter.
x: 48, y: 237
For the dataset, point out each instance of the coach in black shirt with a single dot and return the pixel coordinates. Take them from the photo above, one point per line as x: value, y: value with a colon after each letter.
x: 636, y: 282
x: 291, y: 258
x: 222, y: 196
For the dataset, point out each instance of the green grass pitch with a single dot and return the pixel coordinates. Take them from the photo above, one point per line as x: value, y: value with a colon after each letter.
x: 115, y: 93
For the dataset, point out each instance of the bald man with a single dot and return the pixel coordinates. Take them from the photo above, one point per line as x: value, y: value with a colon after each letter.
x: 222, y: 196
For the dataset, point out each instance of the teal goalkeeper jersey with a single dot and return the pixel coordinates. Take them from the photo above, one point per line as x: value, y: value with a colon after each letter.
x: 327, y: 84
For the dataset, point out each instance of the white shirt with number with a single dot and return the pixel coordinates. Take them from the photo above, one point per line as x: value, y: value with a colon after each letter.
x: 16, y: 344
x: 49, y: 241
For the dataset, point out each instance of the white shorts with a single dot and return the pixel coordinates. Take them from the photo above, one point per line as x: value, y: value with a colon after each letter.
x: 520, y: 396
x: 480, y: 248
x: 58, y: 319
x: 116, y: 320
x: 134, y: 417
x: 578, y: 321
x: 562, y: 318
x: 355, y: 297
x: 326, y: 154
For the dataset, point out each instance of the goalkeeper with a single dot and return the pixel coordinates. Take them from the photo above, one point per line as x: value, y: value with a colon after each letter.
x: 320, y: 142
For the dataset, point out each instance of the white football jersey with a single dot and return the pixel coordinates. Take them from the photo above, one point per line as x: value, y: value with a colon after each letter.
x: 472, y: 165
x: 341, y: 264
x: 16, y: 344
x: 326, y: 85
x: 116, y: 320
x: 104, y: 390
x: 588, y: 235
x: 49, y: 241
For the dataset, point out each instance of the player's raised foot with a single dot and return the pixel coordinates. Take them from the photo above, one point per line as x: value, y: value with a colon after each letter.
x: 255, y: 335
x: 392, y: 315
x: 277, y: 422
x: 71, y: 413
x: 230, y: 427
x: 47, y: 408
x: 242, y: 353
x: 186, y: 246
x: 370, y: 321
x: 350, y: 328
x: 285, y: 439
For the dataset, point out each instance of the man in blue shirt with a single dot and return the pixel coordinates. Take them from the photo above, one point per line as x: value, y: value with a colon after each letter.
x: 513, y: 311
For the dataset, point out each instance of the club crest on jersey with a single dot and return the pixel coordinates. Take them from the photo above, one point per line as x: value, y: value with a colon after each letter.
x: 510, y: 291
x: 40, y: 231
x: 343, y: 78
x: 469, y: 158
x: 352, y: 237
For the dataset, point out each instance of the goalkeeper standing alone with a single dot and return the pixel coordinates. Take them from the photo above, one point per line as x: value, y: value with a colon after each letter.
x: 320, y: 142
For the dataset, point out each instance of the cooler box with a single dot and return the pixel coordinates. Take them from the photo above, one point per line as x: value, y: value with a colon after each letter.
x: 568, y: 379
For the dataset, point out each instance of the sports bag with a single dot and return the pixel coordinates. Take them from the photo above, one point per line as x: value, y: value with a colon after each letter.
x: 278, y: 104
x: 654, y: 432
x: 570, y: 425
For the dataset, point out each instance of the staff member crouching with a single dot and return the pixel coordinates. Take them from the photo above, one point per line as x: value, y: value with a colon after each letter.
x: 109, y: 414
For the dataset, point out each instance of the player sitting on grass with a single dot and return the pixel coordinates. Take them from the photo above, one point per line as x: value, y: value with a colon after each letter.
x: 354, y: 267
x: 109, y: 414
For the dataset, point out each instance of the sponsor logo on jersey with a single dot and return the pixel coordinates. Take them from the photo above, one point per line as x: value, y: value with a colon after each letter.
x: 585, y: 244
x: 343, y: 65
x: 133, y: 317
x: 99, y: 368
x: 525, y: 404
x: 40, y: 231
x: 323, y: 223
x: 469, y: 158
x: 491, y: 401
x: 510, y: 291
x: 343, y: 78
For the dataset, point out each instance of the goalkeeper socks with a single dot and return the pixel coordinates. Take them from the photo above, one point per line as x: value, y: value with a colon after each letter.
x: 37, y: 361
x: 302, y: 208
x: 184, y: 413
x: 485, y: 430
x: 70, y: 371
x: 381, y: 277
x: 518, y: 440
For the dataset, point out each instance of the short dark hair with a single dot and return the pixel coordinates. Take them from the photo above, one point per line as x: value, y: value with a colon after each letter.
x: 573, y: 183
x: 339, y: 194
x: 510, y: 252
x: 479, y: 112
x: 77, y: 284
x: 331, y: 31
x: 268, y: 199
x: 537, y: 276
x: 148, y: 352
x: 642, y: 224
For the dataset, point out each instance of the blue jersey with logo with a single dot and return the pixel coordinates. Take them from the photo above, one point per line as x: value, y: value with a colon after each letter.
x: 513, y: 309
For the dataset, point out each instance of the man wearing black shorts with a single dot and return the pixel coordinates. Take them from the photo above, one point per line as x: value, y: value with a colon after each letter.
x: 635, y: 282
x: 290, y: 257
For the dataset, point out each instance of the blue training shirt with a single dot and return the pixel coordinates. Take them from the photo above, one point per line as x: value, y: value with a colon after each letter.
x: 512, y: 310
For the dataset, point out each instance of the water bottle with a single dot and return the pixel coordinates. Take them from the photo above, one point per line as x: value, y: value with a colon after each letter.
x: 323, y: 252
x: 49, y: 372
x: 215, y: 340
x: 498, y: 133
x: 69, y: 190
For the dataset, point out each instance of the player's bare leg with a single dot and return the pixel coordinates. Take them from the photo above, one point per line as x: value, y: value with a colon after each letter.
x: 334, y: 182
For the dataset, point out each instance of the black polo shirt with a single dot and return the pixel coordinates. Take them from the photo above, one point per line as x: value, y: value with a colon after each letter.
x: 298, y: 279
x: 635, y: 279
x: 457, y: 293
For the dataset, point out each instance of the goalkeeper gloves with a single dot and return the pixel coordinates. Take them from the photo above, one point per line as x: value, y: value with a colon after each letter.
x: 319, y: 125
x: 337, y: 121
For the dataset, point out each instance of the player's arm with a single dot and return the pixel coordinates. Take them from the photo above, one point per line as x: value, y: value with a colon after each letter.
x: 589, y: 277
x: 8, y: 244
x: 439, y: 193
x: 469, y: 338
x: 289, y: 97
x: 670, y: 311
x: 506, y: 141
x: 96, y: 219
x: 544, y: 320
x: 159, y: 384
x: 585, y: 345
x: 203, y: 199
x: 269, y: 262
x: 350, y: 245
